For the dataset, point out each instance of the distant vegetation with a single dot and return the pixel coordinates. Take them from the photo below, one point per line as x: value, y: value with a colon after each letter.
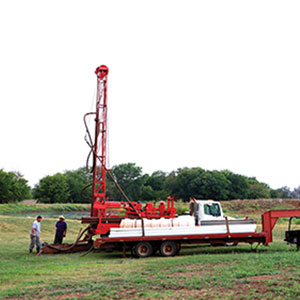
x: 183, y: 183
x: 13, y: 187
x: 21, y: 208
x: 233, y: 208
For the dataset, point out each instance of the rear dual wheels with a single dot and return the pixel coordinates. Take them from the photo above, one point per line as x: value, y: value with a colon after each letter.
x: 166, y: 249
x: 169, y: 248
x: 143, y: 249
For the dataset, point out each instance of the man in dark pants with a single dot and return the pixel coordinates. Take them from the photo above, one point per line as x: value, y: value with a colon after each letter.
x: 35, y: 235
x: 61, y: 230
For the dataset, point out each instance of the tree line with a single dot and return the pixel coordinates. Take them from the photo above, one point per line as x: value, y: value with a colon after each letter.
x: 74, y: 186
x: 13, y: 187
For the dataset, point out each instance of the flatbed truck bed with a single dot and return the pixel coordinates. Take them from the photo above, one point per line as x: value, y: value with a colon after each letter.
x: 145, y: 246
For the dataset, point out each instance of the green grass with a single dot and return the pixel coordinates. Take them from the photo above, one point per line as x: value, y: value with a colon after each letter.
x: 17, y: 208
x: 199, y: 272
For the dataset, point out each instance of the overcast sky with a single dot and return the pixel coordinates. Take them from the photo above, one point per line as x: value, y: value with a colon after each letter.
x: 211, y: 84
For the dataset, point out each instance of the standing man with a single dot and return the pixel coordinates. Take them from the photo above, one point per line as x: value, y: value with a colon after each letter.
x: 61, y: 230
x: 35, y: 235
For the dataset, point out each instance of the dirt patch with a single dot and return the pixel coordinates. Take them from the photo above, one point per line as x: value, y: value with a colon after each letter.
x: 192, y: 294
x: 71, y: 295
x: 195, y: 271
x: 198, y: 273
x: 200, y: 270
x: 240, y: 289
x: 254, y: 285
x: 263, y: 277
x: 190, y: 271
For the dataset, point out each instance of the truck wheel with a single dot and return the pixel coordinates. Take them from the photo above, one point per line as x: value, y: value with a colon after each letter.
x: 143, y: 249
x: 168, y: 248
x: 231, y: 244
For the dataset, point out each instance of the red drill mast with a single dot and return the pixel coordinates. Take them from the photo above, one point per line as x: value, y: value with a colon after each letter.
x: 106, y: 214
x: 98, y: 146
x: 99, y: 172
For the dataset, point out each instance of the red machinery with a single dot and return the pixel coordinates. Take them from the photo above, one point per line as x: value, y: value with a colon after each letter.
x: 105, y: 213
x: 270, y: 218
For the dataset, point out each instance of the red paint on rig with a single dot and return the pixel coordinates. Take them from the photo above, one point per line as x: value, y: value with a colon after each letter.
x: 101, y: 72
x: 105, y: 213
x: 99, y: 150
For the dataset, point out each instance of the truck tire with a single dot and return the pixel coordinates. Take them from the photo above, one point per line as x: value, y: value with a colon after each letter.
x: 168, y: 248
x: 231, y: 244
x: 143, y: 249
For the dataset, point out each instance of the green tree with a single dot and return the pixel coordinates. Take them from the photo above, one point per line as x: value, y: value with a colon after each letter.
x: 13, y: 187
x: 258, y: 190
x: 53, y: 189
x: 188, y: 182
x: 201, y: 184
x: 156, y: 181
x: 213, y: 185
x: 170, y: 185
x: 130, y: 179
x: 238, y: 187
x: 283, y: 192
x: 77, y: 180
x: 148, y: 194
x: 274, y: 194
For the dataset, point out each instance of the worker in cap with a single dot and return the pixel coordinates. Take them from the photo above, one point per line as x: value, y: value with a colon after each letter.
x: 35, y: 235
x: 61, y: 230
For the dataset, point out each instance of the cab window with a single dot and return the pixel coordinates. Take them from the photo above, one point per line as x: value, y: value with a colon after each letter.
x: 212, y: 209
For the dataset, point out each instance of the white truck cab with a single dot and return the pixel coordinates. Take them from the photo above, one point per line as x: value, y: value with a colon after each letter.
x: 206, y: 210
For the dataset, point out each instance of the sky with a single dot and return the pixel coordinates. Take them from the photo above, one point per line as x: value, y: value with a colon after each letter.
x: 210, y: 84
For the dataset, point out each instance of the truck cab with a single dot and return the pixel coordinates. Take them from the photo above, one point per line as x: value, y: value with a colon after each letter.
x: 206, y: 210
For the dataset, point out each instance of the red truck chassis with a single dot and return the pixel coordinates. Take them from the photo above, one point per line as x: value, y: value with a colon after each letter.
x: 171, y: 244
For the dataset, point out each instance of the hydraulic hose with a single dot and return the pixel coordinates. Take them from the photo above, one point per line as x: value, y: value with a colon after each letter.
x: 72, y: 246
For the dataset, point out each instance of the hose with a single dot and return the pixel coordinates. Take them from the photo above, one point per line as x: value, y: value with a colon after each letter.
x: 87, y: 252
x: 71, y: 247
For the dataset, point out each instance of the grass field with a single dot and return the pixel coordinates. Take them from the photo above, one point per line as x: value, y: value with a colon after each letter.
x: 202, y: 272
x: 20, y: 208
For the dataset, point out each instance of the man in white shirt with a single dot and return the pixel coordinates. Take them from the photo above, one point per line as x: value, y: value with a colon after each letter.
x: 35, y: 235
